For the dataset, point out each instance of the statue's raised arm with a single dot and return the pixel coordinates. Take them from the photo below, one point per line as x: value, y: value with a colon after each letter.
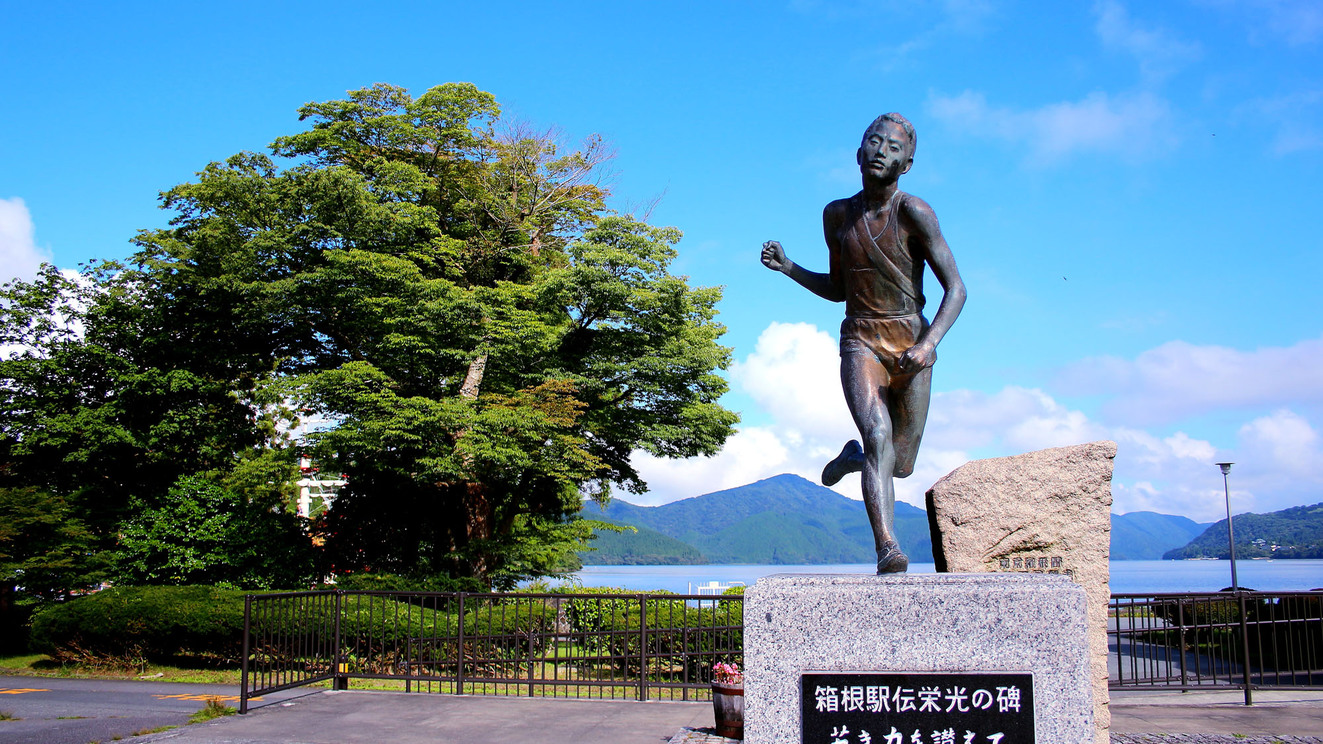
x: 774, y: 258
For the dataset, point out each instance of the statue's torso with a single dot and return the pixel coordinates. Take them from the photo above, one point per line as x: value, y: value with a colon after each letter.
x: 876, y: 263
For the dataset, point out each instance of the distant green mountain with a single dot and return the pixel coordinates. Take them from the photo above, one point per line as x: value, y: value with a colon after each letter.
x: 1290, y: 533
x: 644, y: 547
x: 781, y: 520
x: 1146, y: 536
x: 787, y: 519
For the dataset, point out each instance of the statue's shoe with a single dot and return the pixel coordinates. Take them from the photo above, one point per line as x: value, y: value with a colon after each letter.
x: 852, y: 454
x: 891, y: 560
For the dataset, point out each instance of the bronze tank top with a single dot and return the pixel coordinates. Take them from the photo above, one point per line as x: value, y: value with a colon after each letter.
x: 882, y: 276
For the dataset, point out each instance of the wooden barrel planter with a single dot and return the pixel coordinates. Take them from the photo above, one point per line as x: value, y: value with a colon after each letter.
x: 728, y: 705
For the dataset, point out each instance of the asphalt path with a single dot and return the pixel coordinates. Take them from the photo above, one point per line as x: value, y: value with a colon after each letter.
x: 78, y: 711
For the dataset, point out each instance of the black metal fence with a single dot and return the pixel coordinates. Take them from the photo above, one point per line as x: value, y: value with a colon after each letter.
x: 1243, y: 639
x: 611, y: 646
x: 663, y: 646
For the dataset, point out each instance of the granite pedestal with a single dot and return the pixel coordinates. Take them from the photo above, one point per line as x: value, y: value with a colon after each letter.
x: 953, y: 623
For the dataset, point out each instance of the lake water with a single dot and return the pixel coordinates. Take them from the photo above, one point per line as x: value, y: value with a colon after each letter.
x: 1128, y: 577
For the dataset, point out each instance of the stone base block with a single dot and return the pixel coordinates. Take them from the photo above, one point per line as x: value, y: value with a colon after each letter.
x: 958, y: 623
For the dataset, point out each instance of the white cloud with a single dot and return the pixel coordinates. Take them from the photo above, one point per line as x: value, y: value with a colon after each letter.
x: 1158, y: 53
x: 1297, y: 22
x: 1179, y: 379
x: 1294, y: 118
x: 1275, y: 458
x: 19, y: 255
x: 1131, y: 125
x: 752, y: 454
x: 792, y: 375
x: 1281, y: 450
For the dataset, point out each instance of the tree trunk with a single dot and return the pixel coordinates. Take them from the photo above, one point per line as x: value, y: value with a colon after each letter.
x: 473, y: 380
x: 478, y: 528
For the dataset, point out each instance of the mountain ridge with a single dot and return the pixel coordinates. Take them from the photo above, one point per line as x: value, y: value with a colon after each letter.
x: 1294, y: 532
x: 786, y: 519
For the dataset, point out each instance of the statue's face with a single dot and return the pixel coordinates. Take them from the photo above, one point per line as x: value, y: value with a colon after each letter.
x: 885, y: 152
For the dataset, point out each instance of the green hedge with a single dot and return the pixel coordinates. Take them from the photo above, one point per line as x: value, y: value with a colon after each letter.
x: 372, y: 581
x: 511, y: 628
x: 390, y: 621
x: 680, y: 639
x: 152, y: 622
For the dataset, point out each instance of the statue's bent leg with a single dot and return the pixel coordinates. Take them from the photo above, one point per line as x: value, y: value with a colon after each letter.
x: 909, y: 414
x: 865, y: 380
x: 851, y: 460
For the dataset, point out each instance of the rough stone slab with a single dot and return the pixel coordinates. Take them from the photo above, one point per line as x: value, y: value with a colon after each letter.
x: 794, y: 623
x: 1043, y: 512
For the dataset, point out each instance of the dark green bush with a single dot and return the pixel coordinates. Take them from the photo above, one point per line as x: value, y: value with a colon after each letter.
x: 14, y: 628
x: 587, y: 615
x: 381, y: 632
x: 681, y: 639
x: 388, y: 621
x: 511, y: 628
x: 151, y: 622
x: 371, y: 581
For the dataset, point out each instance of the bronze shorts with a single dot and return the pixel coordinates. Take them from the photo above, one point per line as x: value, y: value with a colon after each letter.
x: 885, y: 338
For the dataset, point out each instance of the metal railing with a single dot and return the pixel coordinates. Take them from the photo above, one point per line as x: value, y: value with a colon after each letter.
x: 663, y: 646
x: 1244, y: 640
x: 289, y: 640
x: 609, y: 646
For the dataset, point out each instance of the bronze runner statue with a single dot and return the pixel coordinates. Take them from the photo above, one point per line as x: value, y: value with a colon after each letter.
x: 877, y: 244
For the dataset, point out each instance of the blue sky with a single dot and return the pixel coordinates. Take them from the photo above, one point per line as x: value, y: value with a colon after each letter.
x: 1131, y: 191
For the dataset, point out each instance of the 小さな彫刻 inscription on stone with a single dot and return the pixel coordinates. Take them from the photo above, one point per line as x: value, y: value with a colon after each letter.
x: 1035, y: 564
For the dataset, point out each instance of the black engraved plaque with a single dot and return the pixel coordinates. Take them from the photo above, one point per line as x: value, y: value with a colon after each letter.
x: 917, y: 708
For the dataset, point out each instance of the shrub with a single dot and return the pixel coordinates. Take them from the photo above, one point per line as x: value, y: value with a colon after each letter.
x: 509, y: 629
x: 390, y: 622
x: 371, y: 581
x: 680, y: 639
x: 147, y: 622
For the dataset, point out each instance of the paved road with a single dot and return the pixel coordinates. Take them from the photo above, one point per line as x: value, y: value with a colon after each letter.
x: 78, y: 711
x: 74, y: 711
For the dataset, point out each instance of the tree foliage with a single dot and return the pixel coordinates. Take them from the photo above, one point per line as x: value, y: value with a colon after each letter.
x: 487, y: 341
x: 200, y: 533
x: 45, y: 547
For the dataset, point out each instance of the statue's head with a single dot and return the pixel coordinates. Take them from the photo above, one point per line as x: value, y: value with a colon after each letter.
x: 890, y: 140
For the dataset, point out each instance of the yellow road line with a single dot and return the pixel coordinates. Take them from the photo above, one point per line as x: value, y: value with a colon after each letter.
x: 202, y: 698
x: 19, y: 690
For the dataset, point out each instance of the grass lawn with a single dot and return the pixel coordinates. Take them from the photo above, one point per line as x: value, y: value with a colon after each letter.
x: 40, y: 665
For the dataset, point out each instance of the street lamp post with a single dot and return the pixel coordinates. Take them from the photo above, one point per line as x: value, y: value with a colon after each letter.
x: 1235, y: 587
x: 1231, y: 534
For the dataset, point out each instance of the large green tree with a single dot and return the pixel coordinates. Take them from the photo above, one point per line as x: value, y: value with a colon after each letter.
x: 486, y: 341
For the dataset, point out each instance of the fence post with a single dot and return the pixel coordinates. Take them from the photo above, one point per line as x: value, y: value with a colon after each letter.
x: 1180, y: 619
x: 243, y: 674
x: 459, y: 665
x: 643, y: 647
x: 340, y: 679
x: 531, y: 634
x: 1244, y: 647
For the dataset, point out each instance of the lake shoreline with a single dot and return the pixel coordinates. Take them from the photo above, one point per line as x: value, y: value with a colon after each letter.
x: 1127, y: 577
